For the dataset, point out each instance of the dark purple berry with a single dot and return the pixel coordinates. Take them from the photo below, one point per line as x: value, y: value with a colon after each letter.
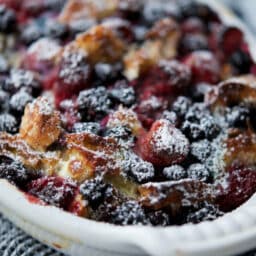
x: 174, y: 172
x: 31, y: 33
x: 56, y: 30
x: 171, y: 116
x: 4, y: 100
x: 237, y: 116
x: 129, y: 213
x: 94, y: 190
x: 93, y: 104
x: 7, y: 20
x: 88, y: 127
x: 210, y: 127
x: 196, y: 112
x: 241, y: 61
x: 8, y: 123
x: 208, y: 212
x: 19, y: 101
x: 13, y: 171
x: 201, y: 150
x: 159, y: 218
x: 193, y: 131
x: 181, y: 106
x: 24, y: 79
x: 4, y: 65
x: 198, y: 172
x: 107, y: 73
x: 193, y: 42
x: 121, y: 133
x: 123, y: 94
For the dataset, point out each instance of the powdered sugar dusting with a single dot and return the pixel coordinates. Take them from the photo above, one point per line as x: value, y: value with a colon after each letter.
x: 170, y: 140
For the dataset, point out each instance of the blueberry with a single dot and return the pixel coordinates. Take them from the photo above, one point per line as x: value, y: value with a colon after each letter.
x: 123, y: 94
x: 121, y: 133
x: 19, y: 101
x: 241, y: 61
x: 54, y: 29
x: 4, y: 65
x: 193, y: 42
x: 24, y: 79
x: 159, y: 218
x: 174, y: 172
x: 171, y: 116
x: 129, y: 213
x: 210, y: 127
x: 207, y: 212
x: 13, y: 171
x: 201, y: 150
x: 181, y: 106
x: 81, y: 25
x: 89, y: 127
x: 199, y: 172
x: 196, y: 112
x: 193, y: 131
x: 7, y: 20
x: 94, y: 103
x: 107, y: 73
x: 4, y: 100
x: 237, y: 116
x: 8, y: 123
x: 31, y: 33
x: 94, y: 191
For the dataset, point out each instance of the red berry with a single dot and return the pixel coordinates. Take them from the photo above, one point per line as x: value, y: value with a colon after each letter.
x: 231, y: 39
x: 164, y: 144
x: 192, y: 25
x: 204, y: 66
x: 54, y: 191
x: 239, y: 186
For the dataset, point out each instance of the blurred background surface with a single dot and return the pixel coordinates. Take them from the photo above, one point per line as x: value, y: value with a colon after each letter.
x: 246, y: 9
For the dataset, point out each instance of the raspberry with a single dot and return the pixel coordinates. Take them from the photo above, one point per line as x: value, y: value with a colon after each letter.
x: 239, y: 186
x: 199, y: 172
x: 74, y: 75
x: 174, y: 172
x: 204, y: 66
x: 164, y: 144
x: 231, y: 38
x: 129, y: 213
x: 13, y: 171
x: 53, y: 190
x: 94, y: 104
x: 86, y: 127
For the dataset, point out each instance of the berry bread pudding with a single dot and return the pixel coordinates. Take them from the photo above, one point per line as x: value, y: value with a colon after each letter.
x: 125, y: 111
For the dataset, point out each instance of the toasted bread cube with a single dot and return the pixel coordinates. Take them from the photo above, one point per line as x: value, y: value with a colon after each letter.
x: 101, y: 44
x: 87, y: 9
x: 41, y: 124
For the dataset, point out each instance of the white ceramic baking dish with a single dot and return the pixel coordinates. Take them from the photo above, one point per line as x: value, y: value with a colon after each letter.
x: 233, y: 233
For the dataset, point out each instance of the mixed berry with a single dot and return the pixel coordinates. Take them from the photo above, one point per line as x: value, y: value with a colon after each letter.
x: 126, y: 112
